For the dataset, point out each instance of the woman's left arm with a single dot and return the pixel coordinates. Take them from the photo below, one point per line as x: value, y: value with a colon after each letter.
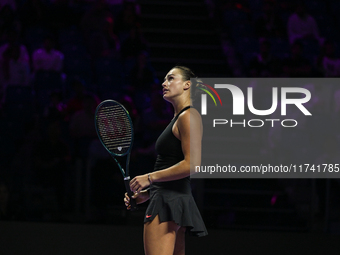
x: 189, y: 125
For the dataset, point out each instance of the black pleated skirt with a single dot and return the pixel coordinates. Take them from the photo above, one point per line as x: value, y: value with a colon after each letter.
x: 173, y: 201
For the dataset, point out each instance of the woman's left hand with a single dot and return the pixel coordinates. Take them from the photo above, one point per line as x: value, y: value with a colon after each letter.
x: 139, y: 183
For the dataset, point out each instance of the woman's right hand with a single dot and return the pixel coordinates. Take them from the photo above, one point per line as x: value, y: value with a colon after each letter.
x: 140, y: 197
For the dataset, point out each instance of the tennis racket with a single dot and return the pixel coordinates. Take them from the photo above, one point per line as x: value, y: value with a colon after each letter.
x: 115, y: 131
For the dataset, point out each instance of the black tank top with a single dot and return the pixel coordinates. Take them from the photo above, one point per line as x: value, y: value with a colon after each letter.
x: 169, y: 153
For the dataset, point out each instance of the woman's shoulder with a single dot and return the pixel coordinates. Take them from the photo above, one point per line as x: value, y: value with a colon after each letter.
x: 189, y: 117
x: 192, y: 111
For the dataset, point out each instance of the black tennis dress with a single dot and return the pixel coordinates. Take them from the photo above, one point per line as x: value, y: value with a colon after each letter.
x: 173, y: 200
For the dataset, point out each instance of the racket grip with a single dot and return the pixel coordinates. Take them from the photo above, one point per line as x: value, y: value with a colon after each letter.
x: 130, y: 194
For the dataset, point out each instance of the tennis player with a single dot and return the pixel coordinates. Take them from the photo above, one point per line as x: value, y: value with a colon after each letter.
x: 172, y: 210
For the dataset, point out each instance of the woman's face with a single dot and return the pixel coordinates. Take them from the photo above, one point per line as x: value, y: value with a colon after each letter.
x: 173, y: 84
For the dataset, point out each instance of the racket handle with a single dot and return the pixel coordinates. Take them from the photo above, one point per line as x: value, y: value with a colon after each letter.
x: 130, y: 194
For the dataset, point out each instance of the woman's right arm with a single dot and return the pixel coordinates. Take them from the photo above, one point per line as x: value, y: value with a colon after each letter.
x: 140, y: 197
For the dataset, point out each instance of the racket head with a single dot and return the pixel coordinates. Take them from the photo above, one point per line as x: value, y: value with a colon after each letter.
x: 114, y: 127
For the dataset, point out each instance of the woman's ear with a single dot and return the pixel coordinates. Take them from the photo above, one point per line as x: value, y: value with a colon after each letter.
x: 187, y: 85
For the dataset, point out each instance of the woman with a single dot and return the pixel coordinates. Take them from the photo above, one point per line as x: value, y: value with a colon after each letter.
x: 172, y: 210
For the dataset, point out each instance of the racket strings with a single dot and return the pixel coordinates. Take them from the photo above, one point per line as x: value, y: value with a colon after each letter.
x: 114, y: 128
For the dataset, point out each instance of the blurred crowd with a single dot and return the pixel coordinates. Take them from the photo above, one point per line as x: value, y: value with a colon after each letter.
x: 280, y: 38
x: 58, y: 60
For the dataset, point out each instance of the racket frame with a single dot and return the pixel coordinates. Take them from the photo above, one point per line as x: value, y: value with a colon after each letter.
x: 125, y: 172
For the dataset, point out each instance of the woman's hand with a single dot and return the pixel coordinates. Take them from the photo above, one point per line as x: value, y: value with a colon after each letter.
x: 139, y: 183
x: 140, y: 198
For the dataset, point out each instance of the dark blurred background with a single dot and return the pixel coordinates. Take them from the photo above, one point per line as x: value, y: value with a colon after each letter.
x: 60, y: 58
